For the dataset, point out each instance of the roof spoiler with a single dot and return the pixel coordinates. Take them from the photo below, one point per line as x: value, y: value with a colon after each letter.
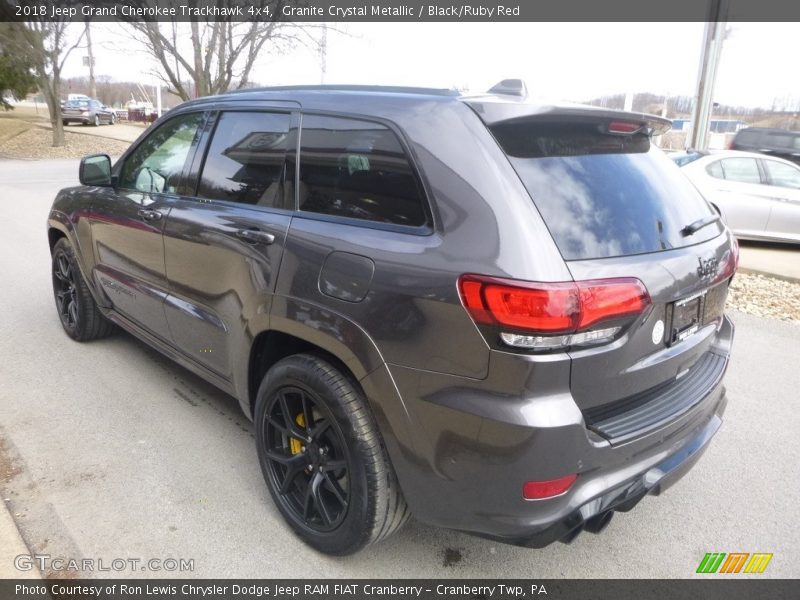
x: 510, y: 87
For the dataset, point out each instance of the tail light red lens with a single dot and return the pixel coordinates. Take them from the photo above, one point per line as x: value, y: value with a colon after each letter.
x: 624, y: 127
x: 539, y: 490
x: 550, y: 308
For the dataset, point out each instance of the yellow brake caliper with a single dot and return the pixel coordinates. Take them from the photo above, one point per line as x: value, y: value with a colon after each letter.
x: 295, y: 445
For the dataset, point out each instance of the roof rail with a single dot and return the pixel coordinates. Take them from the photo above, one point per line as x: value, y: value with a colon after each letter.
x: 387, y: 89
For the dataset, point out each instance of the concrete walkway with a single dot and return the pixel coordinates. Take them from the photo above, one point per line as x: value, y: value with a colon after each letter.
x: 776, y: 260
x: 11, y: 546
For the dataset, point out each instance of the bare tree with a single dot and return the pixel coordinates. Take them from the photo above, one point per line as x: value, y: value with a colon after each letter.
x: 221, y: 53
x: 46, y: 47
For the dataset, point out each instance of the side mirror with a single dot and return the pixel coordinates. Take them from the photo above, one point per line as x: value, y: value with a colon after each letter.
x: 95, y: 170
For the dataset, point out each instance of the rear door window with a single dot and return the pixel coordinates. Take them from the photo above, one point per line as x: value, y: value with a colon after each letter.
x: 783, y: 175
x: 357, y: 169
x: 603, y: 195
x: 246, y: 160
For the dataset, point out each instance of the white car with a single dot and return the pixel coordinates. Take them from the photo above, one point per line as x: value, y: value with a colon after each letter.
x: 758, y: 196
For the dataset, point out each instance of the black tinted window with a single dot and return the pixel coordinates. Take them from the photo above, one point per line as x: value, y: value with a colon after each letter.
x: 357, y: 169
x: 746, y: 137
x: 157, y: 163
x: 603, y: 195
x: 246, y: 160
x: 780, y: 140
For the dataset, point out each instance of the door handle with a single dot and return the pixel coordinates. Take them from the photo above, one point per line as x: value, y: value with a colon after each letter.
x: 255, y: 236
x: 149, y: 215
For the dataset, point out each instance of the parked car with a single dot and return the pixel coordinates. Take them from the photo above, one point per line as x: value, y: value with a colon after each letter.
x: 87, y: 112
x: 758, y: 196
x: 503, y: 318
x: 776, y: 142
x: 684, y: 157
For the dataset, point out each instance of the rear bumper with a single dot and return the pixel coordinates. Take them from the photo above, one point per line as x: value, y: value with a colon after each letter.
x: 596, y: 514
x: 466, y: 449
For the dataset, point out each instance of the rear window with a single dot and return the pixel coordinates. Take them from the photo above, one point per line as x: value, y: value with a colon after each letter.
x: 357, y: 169
x: 746, y: 137
x: 604, y: 195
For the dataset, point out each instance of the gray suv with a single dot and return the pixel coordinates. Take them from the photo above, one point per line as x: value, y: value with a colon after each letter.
x: 501, y: 317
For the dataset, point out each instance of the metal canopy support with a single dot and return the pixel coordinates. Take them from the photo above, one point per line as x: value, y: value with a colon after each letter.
x: 713, y: 38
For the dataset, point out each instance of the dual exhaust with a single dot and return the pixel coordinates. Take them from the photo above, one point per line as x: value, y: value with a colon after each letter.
x: 596, y: 524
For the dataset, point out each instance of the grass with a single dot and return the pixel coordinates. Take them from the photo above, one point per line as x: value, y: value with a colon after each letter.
x: 10, y: 128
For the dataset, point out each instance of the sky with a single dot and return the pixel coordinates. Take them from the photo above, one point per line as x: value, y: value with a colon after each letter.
x: 568, y: 61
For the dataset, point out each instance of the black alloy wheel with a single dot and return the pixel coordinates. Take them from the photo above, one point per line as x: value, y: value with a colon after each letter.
x: 79, y: 315
x: 323, y: 458
x: 308, y: 461
x: 65, y: 291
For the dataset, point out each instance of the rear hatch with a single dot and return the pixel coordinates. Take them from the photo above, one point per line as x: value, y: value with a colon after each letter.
x: 75, y: 108
x: 619, y: 210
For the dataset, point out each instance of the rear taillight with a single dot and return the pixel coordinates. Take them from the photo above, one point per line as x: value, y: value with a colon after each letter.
x: 729, y: 263
x: 552, y: 315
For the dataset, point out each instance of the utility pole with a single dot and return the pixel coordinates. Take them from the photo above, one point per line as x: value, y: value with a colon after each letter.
x: 92, y: 85
x: 713, y: 37
x: 323, y: 54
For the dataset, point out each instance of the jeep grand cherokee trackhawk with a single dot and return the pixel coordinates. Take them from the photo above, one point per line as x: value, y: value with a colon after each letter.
x: 501, y: 317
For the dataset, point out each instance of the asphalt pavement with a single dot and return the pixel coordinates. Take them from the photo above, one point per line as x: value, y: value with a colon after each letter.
x: 109, y: 451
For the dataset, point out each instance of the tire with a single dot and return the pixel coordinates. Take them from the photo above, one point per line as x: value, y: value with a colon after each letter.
x: 113, y: 119
x: 96, y: 122
x: 65, y: 123
x: 77, y: 310
x: 325, y: 466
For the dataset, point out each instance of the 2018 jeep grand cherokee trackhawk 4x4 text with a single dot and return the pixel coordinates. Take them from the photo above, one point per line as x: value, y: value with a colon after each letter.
x: 500, y: 317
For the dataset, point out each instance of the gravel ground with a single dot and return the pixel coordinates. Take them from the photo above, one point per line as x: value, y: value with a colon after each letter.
x: 37, y: 143
x: 765, y: 297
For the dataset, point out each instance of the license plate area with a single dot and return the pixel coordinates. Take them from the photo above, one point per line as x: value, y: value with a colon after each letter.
x: 687, y: 317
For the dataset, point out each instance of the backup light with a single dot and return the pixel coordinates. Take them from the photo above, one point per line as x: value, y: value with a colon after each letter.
x: 541, y: 342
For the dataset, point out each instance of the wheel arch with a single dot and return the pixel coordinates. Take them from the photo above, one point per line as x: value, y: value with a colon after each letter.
x: 271, y: 346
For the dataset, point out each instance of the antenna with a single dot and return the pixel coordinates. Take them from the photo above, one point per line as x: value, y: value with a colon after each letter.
x: 510, y: 87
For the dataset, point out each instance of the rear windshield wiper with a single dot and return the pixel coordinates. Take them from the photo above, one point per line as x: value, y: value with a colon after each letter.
x: 698, y: 225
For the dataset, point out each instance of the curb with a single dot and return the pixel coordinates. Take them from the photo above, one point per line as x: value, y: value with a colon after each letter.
x: 787, y: 278
x: 12, y: 545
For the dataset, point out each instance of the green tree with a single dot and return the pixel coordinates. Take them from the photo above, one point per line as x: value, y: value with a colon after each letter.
x: 16, y: 76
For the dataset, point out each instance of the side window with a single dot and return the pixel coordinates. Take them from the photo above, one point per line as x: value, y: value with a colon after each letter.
x: 782, y: 174
x: 247, y: 160
x: 357, y: 169
x: 744, y: 170
x: 779, y: 140
x: 157, y: 163
x: 715, y: 170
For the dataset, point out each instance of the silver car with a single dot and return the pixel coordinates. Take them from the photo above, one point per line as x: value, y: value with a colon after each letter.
x: 757, y: 196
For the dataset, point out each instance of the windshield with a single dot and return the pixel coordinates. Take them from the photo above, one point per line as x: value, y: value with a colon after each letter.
x: 77, y: 104
x: 604, y: 195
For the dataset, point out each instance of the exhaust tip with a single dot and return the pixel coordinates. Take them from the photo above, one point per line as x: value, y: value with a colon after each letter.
x: 598, y: 522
